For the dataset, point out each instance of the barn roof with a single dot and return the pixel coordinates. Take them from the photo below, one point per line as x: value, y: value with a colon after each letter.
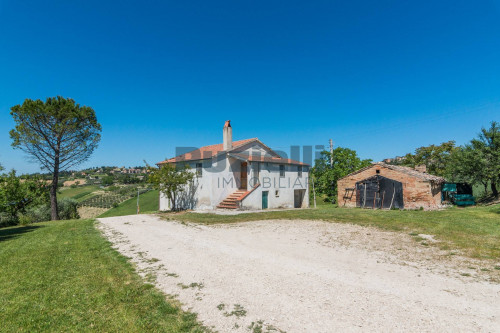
x: 407, y: 170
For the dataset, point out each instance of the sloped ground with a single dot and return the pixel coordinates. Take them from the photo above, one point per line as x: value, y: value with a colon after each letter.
x: 308, y: 276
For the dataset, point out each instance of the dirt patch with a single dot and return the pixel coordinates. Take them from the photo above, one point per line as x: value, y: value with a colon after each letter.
x: 90, y: 212
x: 307, y: 276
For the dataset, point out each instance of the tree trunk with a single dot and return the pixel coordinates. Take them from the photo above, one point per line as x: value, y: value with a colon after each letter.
x: 173, y: 202
x: 494, y: 189
x: 54, y: 214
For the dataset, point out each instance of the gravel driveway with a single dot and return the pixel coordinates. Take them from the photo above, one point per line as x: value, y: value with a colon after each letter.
x: 303, y: 276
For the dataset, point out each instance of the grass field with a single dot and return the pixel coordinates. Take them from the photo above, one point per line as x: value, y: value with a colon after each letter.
x: 65, y: 277
x: 475, y: 230
x: 148, y: 202
x: 78, y: 192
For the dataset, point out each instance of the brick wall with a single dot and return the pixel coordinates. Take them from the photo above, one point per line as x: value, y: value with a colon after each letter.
x: 416, y: 192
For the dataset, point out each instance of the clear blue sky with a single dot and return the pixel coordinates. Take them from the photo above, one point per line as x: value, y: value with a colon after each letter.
x: 380, y: 77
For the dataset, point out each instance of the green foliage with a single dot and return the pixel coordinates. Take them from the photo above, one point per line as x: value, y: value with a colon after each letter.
x: 479, y: 161
x: 17, y: 195
x: 57, y: 133
x: 345, y: 161
x: 170, y: 180
x: 68, y: 210
x: 107, y: 180
x: 435, y: 158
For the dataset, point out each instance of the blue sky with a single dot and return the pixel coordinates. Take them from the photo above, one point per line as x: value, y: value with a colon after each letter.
x: 380, y: 77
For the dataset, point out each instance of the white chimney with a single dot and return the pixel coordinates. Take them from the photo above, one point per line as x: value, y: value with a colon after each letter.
x: 227, y: 135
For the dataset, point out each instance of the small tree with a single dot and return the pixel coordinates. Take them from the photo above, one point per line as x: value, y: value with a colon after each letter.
x: 479, y: 161
x: 107, y: 180
x: 57, y: 133
x: 468, y: 165
x: 488, y: 144
x: 16, y: 194
x: 170, y: 180
x: 326, y: 175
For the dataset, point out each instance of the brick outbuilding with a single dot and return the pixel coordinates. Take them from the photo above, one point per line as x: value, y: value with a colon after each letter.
x: 383, y: 185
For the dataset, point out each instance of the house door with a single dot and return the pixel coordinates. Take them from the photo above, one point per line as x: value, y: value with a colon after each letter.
x: 298, y: 197
x: 243, y: 177
x: 265, y: 194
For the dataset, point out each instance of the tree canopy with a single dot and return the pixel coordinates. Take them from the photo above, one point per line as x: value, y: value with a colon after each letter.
x: 57, y: 133
x: 326, y: 175
x: 17, y: 194
x: 435, y: 157
x: 171, y: 180
x: 479, y: 161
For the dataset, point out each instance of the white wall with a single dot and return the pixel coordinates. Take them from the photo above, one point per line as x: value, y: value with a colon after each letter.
x: 222, y: 177
x: 271, y: 181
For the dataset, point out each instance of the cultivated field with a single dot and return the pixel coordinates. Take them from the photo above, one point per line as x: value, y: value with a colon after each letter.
x: 310, y: 276
x: 111, y: 201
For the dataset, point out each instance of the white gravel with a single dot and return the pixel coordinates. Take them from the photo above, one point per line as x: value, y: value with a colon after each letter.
x: 303, y: 276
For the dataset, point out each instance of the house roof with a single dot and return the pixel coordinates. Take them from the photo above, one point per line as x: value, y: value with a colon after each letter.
x: 212, y: 150
x: 205, y: 152
x: 266, y: 159
x: 407, y: 170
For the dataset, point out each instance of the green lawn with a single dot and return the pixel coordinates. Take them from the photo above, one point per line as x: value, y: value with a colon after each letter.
x: 476, y: 230
x: 78, y: 192
x: 65, y: 277
x: 148, y: 202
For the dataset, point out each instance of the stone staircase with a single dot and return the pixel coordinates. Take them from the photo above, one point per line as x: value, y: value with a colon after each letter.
x: 231, y: 202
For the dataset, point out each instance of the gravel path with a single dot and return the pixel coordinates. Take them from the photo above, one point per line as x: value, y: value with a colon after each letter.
x: 303, y: 276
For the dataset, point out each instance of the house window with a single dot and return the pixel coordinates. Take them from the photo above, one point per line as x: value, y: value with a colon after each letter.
x: 199, y: 169
x: 378, y: 171
x: 282, y: 170
x: 299, y: 170
x: 277, y: 193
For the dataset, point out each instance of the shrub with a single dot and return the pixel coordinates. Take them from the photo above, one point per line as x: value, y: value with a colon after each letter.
x: 25, y: 219
x: 67, y: 211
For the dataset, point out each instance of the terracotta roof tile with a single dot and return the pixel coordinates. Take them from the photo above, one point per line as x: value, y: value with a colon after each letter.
x: 403, y: 169
x: 266, y: 159
x: 205, y: 152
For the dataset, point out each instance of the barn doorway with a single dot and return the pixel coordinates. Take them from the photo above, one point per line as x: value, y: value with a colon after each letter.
x: 379, y: 192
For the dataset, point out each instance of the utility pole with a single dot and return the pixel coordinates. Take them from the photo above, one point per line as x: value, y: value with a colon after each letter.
x: 137, y: 200
x: 331, y: 153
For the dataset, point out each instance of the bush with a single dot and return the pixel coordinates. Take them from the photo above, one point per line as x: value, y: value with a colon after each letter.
x: 25, y: 219
x: 67, y: 211
x: 38, y: 213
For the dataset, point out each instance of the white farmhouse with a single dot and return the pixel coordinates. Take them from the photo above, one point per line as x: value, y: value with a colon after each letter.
x: 244, y: 174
